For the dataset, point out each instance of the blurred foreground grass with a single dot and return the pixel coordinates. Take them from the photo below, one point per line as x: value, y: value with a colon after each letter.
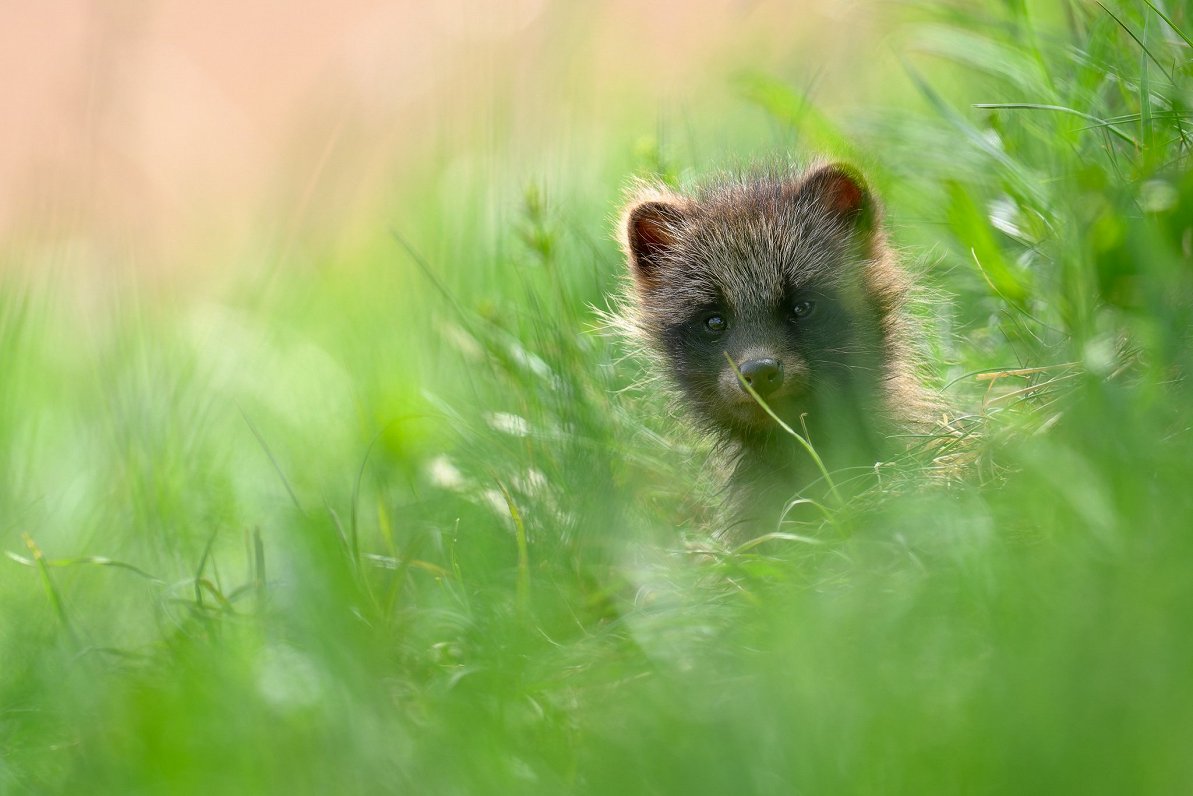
x: 398, y: 525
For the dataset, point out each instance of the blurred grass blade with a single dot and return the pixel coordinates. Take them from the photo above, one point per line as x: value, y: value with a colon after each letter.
x: 973, y: 229
x: 100, y: 561
x: 1032, y: 106
x: 277, y: 467
x: 1172, y: 25
x: 775, y: 536
x: 47, y: 582
x: 203, y: 559
x: 1142, y: 46
x: 793, y: 109
x: 980, y: 51
x: 1022, y: 181
x: 523, y: 580
x: 259, y: 574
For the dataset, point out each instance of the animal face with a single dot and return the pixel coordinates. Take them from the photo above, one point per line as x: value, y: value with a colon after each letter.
x: 767, y: 278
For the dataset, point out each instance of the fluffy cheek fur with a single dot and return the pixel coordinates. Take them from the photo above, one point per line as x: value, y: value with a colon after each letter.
x: 699, y: 368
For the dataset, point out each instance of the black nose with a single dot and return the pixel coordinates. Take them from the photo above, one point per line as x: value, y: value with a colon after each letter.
x: 764, y: 375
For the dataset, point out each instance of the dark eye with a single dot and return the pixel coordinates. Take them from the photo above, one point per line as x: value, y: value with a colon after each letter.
x: 803, y: 309
x: 716, y: 323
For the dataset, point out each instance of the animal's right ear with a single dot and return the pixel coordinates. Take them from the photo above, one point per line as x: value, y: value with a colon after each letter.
x: 652, y: 229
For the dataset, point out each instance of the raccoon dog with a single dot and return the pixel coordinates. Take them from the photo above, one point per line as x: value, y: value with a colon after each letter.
x: 785, y: 282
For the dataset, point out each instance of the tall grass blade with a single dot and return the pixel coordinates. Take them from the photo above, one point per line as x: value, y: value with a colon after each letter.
x: 1172, y: 25
x: 47, y: 583
x: 1032, y: 106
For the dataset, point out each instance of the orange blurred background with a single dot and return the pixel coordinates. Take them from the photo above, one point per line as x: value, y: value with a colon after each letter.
x: 156, y: 129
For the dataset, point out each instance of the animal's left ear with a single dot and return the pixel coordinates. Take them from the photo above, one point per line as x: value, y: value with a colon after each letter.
x: 651, y: 231
x: 841, y: 190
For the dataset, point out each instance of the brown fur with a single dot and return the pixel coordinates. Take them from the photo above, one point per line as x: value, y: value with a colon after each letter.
x: 712, y: 273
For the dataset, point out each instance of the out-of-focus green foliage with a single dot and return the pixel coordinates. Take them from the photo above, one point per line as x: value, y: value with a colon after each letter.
x: 406, y: 526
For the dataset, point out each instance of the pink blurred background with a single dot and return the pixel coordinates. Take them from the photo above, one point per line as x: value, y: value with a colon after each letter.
x: 155, y: 129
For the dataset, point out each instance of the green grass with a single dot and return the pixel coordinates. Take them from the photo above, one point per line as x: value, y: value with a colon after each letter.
x: 402, y: 523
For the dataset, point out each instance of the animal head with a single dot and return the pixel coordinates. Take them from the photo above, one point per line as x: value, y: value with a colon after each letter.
x: 784, y: 279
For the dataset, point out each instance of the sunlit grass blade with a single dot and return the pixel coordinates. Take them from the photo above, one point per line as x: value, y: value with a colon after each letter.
x: 801, y: 439
x: 100, y: 561
x: 1172, y: 25
x: 1145, y: 93
x: 775, y: 536
x: 1014, y: 171
x: 43, y: 569
x: 1146, y: 53
x: 1032, y: 106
